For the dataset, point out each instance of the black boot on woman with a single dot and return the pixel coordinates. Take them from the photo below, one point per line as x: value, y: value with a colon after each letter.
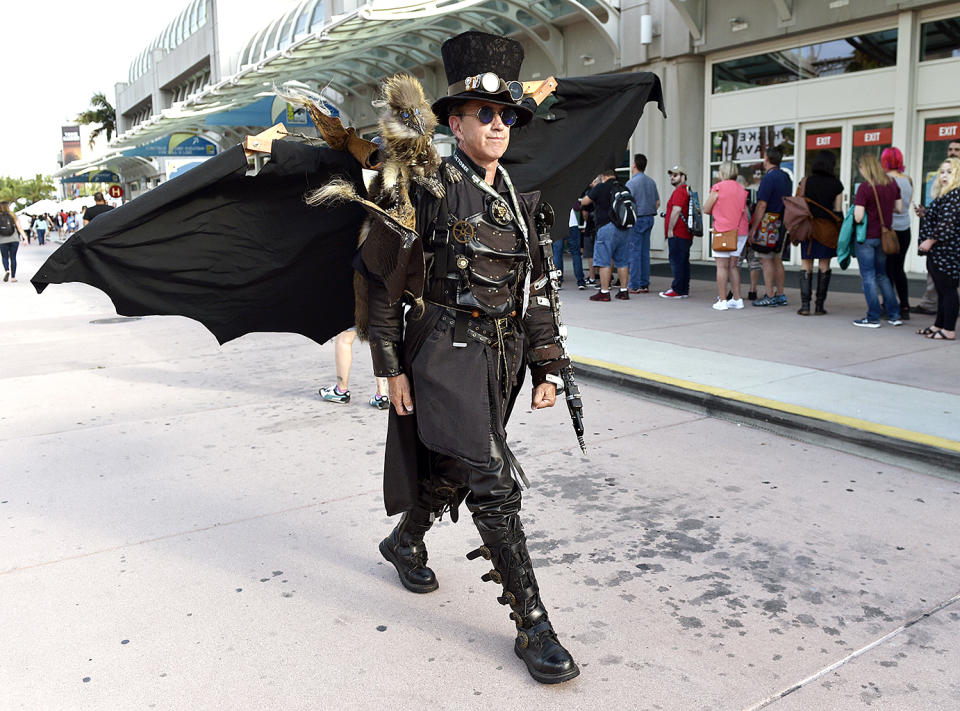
x: 823, y: 286
x: 536, y: 644
x: 806, y: 289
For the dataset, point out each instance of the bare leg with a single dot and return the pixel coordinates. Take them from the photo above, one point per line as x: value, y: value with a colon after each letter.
x: 624, y: 274
x: 723, y: 275
x: 779, y: 275
x: 768, y: 275
x: 605, y: 274
x: 733, y: 271
x: 343, y: 357
x: 382, y: 388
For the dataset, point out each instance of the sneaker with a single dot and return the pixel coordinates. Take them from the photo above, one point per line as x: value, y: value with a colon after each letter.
x: 670, y: 294
x: 781, y: 300
x: 734, y: 303
x: 335, y: 395
x: 865, y: 323
x: 6, y: 276
x: 641, y: 290
x: 581, y: 285
x: 720, y: 304
x: 623, y: 294
x: 601, y: 296
x: 766, y: 301
x: 895, y: 322
x: 381, y: 402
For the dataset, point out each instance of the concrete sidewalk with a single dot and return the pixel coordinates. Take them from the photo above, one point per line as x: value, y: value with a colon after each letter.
x: 189, y: 527
x: 883, y: 392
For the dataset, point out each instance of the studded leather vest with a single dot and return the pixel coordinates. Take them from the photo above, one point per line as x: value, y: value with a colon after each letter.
x: 479, y: 260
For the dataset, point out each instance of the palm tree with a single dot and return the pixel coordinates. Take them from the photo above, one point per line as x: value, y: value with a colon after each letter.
x: 100, y: 113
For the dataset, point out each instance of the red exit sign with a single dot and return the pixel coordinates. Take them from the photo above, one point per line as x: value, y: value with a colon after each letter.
x: 943, y: 132
x: 816, y: 141
x: 873, y: 137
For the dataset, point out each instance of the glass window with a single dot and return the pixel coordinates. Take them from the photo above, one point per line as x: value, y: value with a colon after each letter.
x: 747, y: 146
x: 940, y: 39
x: 853, y: 54
x: 303, y: 18
x: 940, y: 136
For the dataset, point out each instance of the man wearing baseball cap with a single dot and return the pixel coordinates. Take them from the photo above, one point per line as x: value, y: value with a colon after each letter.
x: 679, y: 238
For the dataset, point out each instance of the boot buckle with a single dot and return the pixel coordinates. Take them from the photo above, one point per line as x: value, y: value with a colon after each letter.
x: 523, y: 639
x: 481, y: 551
x: 508, y: 598
x: 493, y: 575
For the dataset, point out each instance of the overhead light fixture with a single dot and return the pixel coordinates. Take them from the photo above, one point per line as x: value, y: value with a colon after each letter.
x: 736, y: 24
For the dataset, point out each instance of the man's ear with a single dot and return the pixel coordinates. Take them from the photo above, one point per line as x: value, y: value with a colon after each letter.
x: 454, y: 123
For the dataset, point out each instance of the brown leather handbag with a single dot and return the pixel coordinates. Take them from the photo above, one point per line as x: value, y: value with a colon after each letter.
x: 725, y: 241
x: 888, y: 236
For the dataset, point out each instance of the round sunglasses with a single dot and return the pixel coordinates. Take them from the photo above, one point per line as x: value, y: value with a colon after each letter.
x: 485, y: 115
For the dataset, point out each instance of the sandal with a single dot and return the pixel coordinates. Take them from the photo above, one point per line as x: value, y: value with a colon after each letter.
x: 928, y: 331
x: 938, y: 336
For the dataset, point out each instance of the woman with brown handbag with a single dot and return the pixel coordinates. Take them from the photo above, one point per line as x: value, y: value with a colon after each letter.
x: 727, y: 204
x: 824, y: 195
x: 878, y: 197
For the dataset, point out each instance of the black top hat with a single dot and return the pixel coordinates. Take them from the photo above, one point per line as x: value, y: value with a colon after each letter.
x: 484, y: 67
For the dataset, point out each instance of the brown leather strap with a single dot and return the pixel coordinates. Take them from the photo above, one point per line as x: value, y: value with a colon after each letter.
x: 879, y: 211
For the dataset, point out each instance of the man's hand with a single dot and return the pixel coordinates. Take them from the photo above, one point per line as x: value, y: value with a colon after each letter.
x: 400, y: 395
x: 544, y: 395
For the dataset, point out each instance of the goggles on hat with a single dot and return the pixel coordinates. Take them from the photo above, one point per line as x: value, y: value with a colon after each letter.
x: 485, y: 115
x: 489, y: 83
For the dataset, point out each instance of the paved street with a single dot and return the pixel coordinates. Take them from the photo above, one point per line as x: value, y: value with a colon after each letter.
x: 187, y: 526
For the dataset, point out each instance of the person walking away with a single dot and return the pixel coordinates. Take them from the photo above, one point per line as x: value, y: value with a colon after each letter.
x: 824, y: 193
x: 343, y: 358
x: 572, y: 240
x: 99, y: 207
x: 940, y: 239
x: 679, y: 237
x: 774, y: 186
x: 610, y: 249
x: 877, y: 198
x: 40, y: 225
x: 10, y: 236
x: 645, y: 194
x: 892, y: 161
x: 727, y: 204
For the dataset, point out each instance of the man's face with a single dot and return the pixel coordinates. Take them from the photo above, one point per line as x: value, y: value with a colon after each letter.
x: 676, y: 179
x: 953, y: 149
x: 483, y: 143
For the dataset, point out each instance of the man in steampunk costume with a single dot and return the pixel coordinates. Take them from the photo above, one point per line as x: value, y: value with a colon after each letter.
x: 455, y: 364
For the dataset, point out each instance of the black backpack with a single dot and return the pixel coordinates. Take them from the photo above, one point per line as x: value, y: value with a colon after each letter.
x: 694, y: 215
x: 7, y: 225
x: 623, y: 208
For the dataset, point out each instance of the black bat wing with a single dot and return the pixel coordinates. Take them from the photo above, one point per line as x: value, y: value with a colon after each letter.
x: 237, y: 253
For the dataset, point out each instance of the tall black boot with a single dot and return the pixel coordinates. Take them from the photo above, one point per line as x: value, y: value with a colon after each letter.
x: 806, y: 287
x: 823, y: 285
x: 536, y: 644
x: 404, y: 548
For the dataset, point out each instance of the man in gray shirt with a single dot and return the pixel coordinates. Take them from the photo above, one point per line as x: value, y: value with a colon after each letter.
x: 644, y: 191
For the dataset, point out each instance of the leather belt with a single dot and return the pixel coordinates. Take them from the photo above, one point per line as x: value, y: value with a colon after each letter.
x: 483, y: 329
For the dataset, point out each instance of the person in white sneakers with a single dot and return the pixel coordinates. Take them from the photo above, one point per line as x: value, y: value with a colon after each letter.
x: 727, y: 204
x: 343, y: 357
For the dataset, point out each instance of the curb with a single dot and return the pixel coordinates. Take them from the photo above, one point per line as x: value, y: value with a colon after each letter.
x: 936, y: 455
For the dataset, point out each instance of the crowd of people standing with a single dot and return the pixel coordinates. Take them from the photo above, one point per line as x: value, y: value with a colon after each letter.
x: 757, y: 236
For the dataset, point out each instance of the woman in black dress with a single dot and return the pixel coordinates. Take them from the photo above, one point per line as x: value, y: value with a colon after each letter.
x: 824, y: 195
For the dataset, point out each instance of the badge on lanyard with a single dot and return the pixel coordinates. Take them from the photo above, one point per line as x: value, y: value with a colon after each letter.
x: 499, y: 212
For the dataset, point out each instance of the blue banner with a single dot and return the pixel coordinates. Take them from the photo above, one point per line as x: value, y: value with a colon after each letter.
x: 98, y: 176
x: 268, y: 111
x: 178, y: 144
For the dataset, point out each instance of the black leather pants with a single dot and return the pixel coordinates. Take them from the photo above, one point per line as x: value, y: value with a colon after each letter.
x: 491, y: 493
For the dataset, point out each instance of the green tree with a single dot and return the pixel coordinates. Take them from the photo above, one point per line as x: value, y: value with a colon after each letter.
x: 101, y: 114
x: 31, y: 189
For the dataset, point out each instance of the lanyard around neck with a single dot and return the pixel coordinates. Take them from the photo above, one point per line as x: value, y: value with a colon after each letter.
x: 485, y: 187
